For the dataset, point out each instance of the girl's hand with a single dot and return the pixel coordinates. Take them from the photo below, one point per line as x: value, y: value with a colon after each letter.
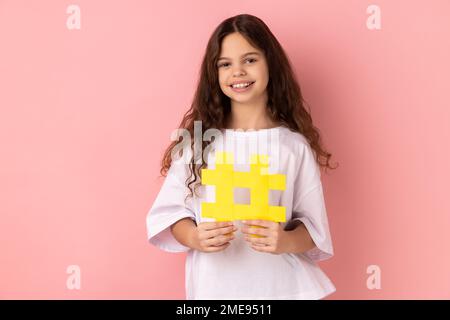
x: 212, y: 236
x: 273, y: 238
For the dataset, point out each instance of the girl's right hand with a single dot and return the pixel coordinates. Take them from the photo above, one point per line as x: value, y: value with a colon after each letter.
x: 213, y: 236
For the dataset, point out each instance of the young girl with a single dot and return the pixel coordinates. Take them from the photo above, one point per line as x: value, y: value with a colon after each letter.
x: 247, y: 90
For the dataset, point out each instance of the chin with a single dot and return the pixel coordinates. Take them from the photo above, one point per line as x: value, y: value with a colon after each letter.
x: 242, y: 99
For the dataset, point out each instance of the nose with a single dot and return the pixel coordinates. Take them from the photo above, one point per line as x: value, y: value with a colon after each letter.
x: 238, y: 71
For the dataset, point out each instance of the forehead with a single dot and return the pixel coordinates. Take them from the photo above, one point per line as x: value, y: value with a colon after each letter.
x: 234, y: 45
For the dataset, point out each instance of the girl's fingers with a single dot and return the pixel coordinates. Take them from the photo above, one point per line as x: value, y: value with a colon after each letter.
x: 215, y: 225
x: 258, y: 241
x: 259, y: 245
x: 255, y: 230
x: 217, y: 248
x: 271, y: 225
x: 220, y: 231
x: 262, y: 223
x: 218, y: 241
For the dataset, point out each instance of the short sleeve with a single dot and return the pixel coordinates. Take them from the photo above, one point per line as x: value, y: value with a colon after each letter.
x: 309, y: 205
x: 169, y: 207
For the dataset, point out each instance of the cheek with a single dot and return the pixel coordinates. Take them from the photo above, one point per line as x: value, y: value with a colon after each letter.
x: 222, y: 81
x: 263, y: 78
x: 264, y: 75
x: 224, y: 88
x: 262, y: 83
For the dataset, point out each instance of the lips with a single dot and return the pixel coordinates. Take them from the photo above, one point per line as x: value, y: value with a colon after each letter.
x: 241, y: 83
x: 243, y: 89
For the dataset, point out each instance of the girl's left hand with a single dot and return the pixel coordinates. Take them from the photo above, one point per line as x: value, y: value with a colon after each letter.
x: 273, y: 238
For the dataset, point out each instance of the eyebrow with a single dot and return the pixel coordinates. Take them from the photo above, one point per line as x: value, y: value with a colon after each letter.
x: 245, y: 54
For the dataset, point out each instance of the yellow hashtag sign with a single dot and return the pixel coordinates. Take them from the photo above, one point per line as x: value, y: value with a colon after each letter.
x: 258, y: 180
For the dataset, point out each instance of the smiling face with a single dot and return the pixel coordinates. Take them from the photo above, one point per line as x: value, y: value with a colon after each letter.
x: 240, y: 62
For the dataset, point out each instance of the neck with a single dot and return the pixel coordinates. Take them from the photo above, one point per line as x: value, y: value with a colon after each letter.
x: 248, y: 116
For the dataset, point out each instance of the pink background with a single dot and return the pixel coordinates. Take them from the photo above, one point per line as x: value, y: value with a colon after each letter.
x: 86, y: 114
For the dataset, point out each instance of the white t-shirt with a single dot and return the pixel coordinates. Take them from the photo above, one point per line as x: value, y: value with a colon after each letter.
x: 240, y: 272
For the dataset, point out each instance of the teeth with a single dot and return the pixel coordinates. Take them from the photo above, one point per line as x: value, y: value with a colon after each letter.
x: 241, y: 85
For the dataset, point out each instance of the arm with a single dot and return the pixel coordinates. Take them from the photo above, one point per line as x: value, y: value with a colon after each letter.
x: 206, y: 237
x: 297, y: 239
x: 294, y: 239
x: 182, y: 231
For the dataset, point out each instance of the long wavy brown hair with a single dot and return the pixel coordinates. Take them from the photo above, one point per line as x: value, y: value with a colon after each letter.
x: 211, y: 106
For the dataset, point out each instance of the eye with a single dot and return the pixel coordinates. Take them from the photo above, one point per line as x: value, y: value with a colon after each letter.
x: 226, y: 63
